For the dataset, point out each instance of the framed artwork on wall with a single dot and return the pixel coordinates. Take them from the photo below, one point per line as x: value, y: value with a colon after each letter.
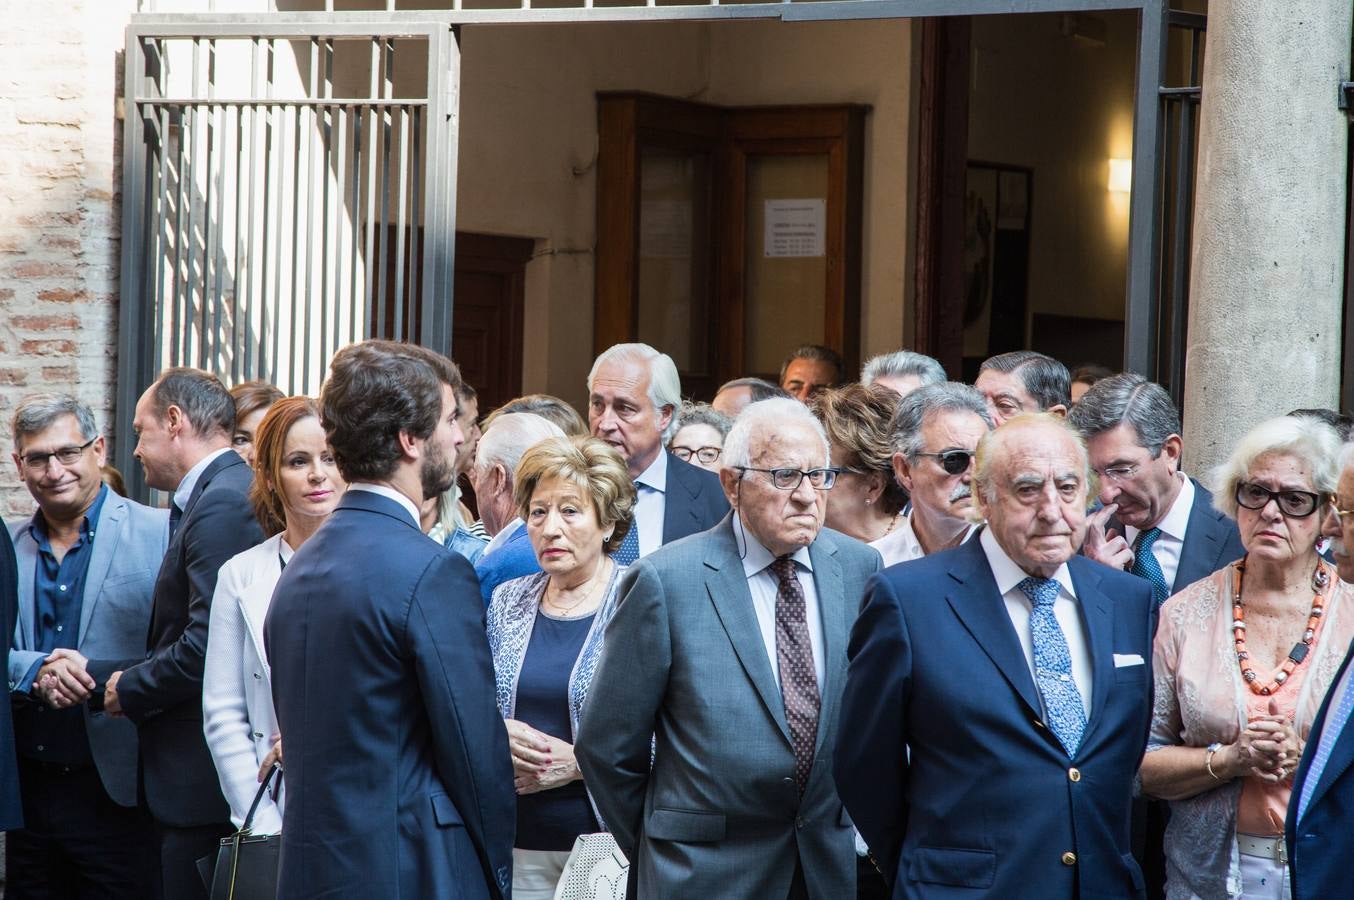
x: 997, y: 213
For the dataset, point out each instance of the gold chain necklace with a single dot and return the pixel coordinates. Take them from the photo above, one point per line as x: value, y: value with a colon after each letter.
x: 568, y: 611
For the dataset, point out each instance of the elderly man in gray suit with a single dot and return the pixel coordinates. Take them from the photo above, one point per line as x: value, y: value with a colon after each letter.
x: 728, y: 652
x: 86, y: 561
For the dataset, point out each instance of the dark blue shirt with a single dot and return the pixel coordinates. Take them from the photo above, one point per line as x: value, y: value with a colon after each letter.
x: 57, y: 736
x: 551, y: 820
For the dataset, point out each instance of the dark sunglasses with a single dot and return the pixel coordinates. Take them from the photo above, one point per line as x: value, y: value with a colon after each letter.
x: 1295, y: 504
x: 953, y: 462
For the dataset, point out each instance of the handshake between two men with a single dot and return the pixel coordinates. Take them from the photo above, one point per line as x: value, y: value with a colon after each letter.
x: 64, y: 681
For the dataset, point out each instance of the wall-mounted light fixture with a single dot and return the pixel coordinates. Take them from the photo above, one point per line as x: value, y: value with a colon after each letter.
x: 1121, y: 175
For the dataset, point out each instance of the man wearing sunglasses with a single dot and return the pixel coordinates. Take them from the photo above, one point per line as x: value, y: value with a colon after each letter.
x: 935, y: 432
x: 706, y: 737
x: 1168, y: 530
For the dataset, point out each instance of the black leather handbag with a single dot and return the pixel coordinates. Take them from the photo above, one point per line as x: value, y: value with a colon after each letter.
x: 246, y: 864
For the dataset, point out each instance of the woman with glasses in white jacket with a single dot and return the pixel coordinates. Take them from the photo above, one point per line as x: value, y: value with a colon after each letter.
x: 296, y: 487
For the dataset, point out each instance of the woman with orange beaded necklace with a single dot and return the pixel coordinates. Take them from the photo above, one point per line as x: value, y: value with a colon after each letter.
x: 1241, y: 662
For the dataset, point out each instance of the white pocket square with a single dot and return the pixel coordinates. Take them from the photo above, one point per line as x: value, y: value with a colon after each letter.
x: 1127, y: 659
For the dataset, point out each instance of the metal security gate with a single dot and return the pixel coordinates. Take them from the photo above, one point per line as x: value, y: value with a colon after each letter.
x: 289, y: 188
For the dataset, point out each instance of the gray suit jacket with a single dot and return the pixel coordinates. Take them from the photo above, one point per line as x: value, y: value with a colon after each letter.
x: 718, y: 813
x: 129, y: 542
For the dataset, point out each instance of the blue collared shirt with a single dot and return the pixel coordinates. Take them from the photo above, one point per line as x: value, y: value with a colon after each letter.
x: 58, y: 736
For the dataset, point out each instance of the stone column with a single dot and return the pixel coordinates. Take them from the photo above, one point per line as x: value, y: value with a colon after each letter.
x: 1269, y: 220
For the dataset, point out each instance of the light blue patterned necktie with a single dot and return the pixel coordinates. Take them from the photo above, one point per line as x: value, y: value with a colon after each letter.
x: 1063, y: 709
x: 1145, y: 564
x: 628, y: 551
x: 1336, y: 717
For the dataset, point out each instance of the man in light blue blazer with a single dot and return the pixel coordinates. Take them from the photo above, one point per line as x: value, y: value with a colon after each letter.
x: 86, y: 566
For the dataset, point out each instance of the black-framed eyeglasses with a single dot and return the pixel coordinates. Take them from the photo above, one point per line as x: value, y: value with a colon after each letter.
x: 1295, y: 504
x: 67, y: 456
x: 706, y: 455
x: 953, y: 462
x: 790, y: 479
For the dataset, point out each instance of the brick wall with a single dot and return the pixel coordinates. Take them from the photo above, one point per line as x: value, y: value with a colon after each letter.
x: 60, y: 77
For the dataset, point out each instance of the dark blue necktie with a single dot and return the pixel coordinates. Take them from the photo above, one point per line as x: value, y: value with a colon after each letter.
x: 175, y: 514
x: 1145, y: 564
x: 628, y: 551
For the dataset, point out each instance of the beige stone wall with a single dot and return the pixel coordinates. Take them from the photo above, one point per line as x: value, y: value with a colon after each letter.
x: 59, y: 207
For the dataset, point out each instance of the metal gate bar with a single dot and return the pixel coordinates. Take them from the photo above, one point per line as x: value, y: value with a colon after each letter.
x: 251, y: 179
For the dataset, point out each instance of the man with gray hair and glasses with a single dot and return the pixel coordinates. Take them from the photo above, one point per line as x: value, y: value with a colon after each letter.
x: 707, y: 733
x: 86, y: 566
x: 935, y: 435
x: 902, y: 371
x: 1168, y: 530
x: 634, y: 393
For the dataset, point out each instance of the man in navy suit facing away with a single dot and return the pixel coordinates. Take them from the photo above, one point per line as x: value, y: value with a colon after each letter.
x: 399, y: 780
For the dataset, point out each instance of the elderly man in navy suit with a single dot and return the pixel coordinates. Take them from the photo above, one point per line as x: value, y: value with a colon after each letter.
x: 633, y: 396
x: 396, y: 756
x: 87, y: 559
x: 997, y: 700
x: 1321, y: 816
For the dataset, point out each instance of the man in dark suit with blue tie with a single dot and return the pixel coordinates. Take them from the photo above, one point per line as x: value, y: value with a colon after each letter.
x: 633, y: 396
x: 998, y: 696
x: 1171, y: 533
x: 1321, y: 808
x: 183, y: 422
x: 1156, y: 522
x: 397, y: 759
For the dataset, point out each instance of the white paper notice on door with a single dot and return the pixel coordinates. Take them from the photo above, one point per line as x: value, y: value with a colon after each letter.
x: 795, y: 227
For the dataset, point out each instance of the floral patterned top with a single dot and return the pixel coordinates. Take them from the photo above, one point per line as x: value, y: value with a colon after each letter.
x: 1201, y: 698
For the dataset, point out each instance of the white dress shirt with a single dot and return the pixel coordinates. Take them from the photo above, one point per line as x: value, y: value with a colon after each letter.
x: 763, y: 585
x: 1169, y: 544
x: 501, y: 538
x: 901, y: 545
x: 651, y: 487
x: 1008, y: 576
x: 184, y: 492
x: 390, y: 494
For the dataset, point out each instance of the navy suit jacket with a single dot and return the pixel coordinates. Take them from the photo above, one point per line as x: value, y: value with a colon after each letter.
x: 399, y: 779
x: 693, y: 501
x: 988, y: 801
x: 1211, y: 541
x: 11, y: 809
x: 162, y: 692
x: 1317, y: 845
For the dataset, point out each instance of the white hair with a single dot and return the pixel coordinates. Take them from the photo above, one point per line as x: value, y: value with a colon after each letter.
x: 767, y: 416
x: 665, y: 385
x: 901, y: 364
x: 509, y: 437
x: 1313, y: 442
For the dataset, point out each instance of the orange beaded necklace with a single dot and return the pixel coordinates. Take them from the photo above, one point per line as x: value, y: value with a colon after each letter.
x: 1320, y: 582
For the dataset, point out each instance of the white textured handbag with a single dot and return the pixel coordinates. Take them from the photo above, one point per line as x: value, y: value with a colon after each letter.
x: 596, y: 870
